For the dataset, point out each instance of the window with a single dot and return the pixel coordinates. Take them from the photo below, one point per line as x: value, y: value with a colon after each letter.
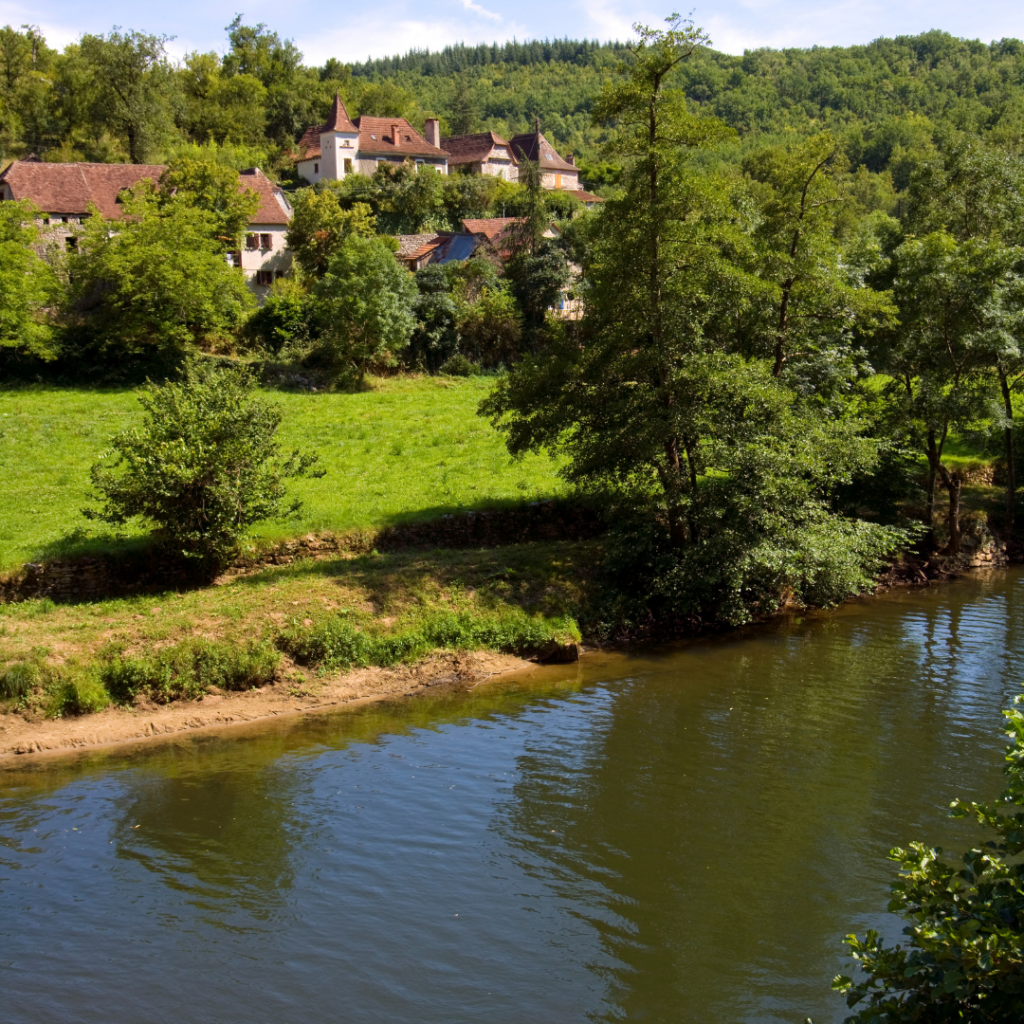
x: 251, y: 241
x: 278, y: 274
x: 558, y: 181
x: 266, y: 242
x: 234, y: 259
x: 348, y: 166
x: 316, y: 168
x: 264, y: 278
x: 71, y: 242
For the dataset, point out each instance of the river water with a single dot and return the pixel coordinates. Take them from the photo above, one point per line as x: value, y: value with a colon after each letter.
x: 681, y: 836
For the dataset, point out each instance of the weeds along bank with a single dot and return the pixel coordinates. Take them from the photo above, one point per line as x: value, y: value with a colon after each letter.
x: 290, y: 626
x: 410, y: 448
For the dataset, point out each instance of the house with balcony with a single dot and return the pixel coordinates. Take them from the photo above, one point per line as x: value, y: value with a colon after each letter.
x: 342, y: 146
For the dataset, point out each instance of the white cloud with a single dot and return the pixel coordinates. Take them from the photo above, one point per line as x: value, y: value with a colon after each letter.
x: 481, y: 11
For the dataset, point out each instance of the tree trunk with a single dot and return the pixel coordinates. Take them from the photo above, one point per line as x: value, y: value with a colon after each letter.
x: 934, y: 461
x: 953, y: 482
x: 1011, y: 476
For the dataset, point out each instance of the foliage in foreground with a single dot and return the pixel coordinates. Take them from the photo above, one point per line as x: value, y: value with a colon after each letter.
x: 964, y: 955
x: 204, y: 466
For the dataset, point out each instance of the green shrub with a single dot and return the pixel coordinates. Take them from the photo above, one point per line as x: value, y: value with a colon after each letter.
x: 334, y: 642
x: 961, y: 958
x: 459, y: 366
x: 70, y: 690
x: 189, y: 669
x: 18, y: 680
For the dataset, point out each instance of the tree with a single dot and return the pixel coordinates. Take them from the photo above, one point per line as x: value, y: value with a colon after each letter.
x: 130, y: 68
x: 213, y: 188
x: 365, y: 300
x: 963, y: 957
x: 809, y: 300
x: 203, y: 467
x: 726, y: 469
x: 948, y: 298
x: 158, y: 283
x: 319, y: 227
x: 27, y: 285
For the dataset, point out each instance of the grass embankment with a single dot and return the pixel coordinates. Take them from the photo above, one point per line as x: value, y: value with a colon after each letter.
x: 409, y: 449
x: 289, y: 624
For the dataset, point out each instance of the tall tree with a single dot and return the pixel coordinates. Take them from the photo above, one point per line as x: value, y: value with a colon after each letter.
x: 27, y: 285
x: 130, y: 68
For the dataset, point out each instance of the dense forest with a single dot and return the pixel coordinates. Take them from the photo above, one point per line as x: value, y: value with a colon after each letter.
x: 120, y: 97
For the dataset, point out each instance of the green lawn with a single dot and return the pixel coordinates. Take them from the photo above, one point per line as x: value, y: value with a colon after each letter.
x: 411, y: 448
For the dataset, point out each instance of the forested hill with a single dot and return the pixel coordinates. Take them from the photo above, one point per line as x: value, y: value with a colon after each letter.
x: 252, y: 103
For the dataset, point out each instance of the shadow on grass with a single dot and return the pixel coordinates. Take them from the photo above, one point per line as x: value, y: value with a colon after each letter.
x: 546, y: 577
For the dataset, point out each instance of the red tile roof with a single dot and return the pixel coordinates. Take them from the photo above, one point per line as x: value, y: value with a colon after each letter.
x: 467, y: 149
x: 534, y: 147
x: 377, y: 137
x: 274, y: 207
x: 490, y: 227
x: 70, y: 188
x: 583, y: 196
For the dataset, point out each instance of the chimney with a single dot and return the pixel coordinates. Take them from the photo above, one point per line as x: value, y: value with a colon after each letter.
x: 571, y: 160
x: 395, y: 129
x: 432, y: 132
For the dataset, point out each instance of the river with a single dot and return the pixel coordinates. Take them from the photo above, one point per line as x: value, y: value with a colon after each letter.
x: 679, y: 836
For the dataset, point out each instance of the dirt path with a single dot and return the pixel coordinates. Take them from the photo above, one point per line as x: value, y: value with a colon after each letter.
x: 21, y: 736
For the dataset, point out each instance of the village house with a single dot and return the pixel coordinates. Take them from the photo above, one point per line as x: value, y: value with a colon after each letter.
x: 342, y: 146
x: 483, y: 153
x: 67, y: 194
x: 555, y: 172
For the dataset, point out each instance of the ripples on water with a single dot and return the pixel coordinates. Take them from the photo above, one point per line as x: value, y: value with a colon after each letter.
x: 676, y: 837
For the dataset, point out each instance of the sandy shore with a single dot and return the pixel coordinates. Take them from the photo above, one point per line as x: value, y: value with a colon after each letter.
x: 25, y: 737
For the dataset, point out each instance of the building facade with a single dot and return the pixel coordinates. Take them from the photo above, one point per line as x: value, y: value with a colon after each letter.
x: 66, y: 194
x: 483, y: 153
x: 341, y: 146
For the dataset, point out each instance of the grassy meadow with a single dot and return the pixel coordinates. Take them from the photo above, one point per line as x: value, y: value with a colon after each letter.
x: 409, y: 448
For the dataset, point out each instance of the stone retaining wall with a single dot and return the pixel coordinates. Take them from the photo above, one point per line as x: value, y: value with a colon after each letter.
x: 87, y: 579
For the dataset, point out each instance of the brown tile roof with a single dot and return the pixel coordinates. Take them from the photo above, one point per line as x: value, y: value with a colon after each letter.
x: 387, y: 136
x: 408, y: 244
x: 534, y: 147
x: 274, y: 207
x: 376, y: 138
x: 338, y: 119
x: 70, y: 188
x: 584, y: 196
x: 466, y: 149
x: 490, y: 227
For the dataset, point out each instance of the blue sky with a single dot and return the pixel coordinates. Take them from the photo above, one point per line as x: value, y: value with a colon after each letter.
x: 377, y: 28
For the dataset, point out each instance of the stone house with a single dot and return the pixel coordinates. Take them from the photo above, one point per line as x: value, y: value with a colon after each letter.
x: 67, y: 194
x: 483, y: 153
x: 554, y: 171
x: 342, y: 146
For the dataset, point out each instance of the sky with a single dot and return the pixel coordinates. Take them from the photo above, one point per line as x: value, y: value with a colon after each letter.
x: 379, y: 28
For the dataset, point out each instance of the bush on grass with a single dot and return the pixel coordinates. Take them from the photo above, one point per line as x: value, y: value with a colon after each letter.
x: 189, y: 669
x: 335, y: 642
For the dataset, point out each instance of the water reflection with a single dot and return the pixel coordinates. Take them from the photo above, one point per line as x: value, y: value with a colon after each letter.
x: 682, y: 836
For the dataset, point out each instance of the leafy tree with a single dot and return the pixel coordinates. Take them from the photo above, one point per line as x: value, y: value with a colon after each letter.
x: 157, y: 285
x: 948, y: 298
x: 27, y: 285
x: 490, y: 328
x: 203, y: 467
x: 283, y: 319
x: 319, y: 227
x: 213, y: 188
x: 808, y: 297
x: 130, y: 68
x: 365, y: 303
x: 729, y: 469
x: 436, y: 336
x: 963, y: 957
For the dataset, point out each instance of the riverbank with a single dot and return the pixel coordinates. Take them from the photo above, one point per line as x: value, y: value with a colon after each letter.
x: 447, y: 671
